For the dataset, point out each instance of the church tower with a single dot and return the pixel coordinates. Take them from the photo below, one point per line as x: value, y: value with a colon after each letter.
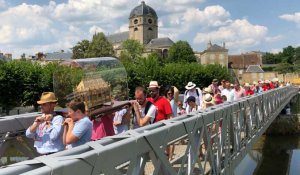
x: 143, y: 24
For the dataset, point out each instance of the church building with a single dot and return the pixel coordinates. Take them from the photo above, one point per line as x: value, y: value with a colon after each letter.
x: 143, y: 27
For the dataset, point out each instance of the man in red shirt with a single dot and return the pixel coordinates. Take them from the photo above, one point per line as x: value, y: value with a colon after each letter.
x: 164, y: 110
x: 248, y: 90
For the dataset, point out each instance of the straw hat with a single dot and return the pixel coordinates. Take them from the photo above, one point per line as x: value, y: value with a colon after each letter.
x: 207, y: 90
x: 208, y: 98
x: 47, y: 97
x: 247, y: 85
x: 275, y: 79
x: 153, y: 84
x: 190, y: 85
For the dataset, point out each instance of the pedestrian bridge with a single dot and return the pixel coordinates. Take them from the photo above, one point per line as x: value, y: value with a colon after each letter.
x: 227, y: 132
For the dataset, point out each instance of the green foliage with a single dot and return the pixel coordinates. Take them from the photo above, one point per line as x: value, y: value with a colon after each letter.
x: 99, y: 47
x: 22, y: 82
x: 80, y: 49
x: 270, y: 58
x: 132, y: 50
x: 287, y: 61
x: 181, y: 51
x: 283, y: 68
x: 12, y: 75
x: 64, y: 80
x: 269, y: 68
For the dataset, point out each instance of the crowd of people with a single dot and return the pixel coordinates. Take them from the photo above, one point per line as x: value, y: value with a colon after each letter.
x: 53, y: 132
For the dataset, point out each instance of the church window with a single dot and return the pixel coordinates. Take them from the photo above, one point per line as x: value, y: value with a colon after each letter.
x: 135, y: 21
x: 150, y: 21
x: 150, y: 28
x: 136, y: 29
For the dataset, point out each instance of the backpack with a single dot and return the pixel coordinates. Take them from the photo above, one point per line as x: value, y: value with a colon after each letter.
x: 147, y: 107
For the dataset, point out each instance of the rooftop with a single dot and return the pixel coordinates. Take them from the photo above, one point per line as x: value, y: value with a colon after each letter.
x: 118, y: 37
x: 58, y: 56
x: 254, y: 69
x: 142, y: 10
x: 215, y: 48
x: 159, y: 43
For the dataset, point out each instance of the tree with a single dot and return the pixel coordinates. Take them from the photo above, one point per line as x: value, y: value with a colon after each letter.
x: 270, y: 58
x: 181, y: 51
x: 99, y: 47
x: 288, y: 54
x: 133, y: 49
x: 284, y: 68
x: 80, y: 49
x: 12, y: 84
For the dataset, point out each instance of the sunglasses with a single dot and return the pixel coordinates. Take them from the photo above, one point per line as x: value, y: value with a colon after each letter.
x: 150, y: 91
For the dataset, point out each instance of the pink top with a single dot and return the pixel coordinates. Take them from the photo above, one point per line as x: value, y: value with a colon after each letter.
x: 102, y: 127
x: 239, y: 94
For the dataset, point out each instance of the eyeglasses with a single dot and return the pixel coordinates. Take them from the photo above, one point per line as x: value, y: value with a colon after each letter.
x: 151, y: 91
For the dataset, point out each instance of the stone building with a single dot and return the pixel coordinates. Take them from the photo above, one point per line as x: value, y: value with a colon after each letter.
x: 243, y: 61
x: 214, y: 54
x: 143, y: 27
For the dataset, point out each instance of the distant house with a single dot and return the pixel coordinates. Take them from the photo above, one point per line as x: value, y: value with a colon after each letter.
x: 5, y: 57
x: 57, y: 56
x: 243, y: 61
x: 214, y: 54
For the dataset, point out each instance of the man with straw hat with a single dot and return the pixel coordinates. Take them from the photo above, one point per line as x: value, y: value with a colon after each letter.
x: 192, y: 90
x: 47, y: 130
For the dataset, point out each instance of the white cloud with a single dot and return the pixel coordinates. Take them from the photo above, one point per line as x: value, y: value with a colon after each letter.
x: 25, y: 22
x: 173, y: 6
x: 292, y: 17
x: 274, y: 38
x: 210, y: 16
x: 123, y: 28
x: 96, y: 29
x: 99, y: 11
x: 240, y: 33
x: 275, y: 51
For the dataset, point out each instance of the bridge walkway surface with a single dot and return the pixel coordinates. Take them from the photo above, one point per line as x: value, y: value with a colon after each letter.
x: 225, y: 133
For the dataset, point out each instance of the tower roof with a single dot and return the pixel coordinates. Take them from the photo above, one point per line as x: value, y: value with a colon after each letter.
x: 142, y: 10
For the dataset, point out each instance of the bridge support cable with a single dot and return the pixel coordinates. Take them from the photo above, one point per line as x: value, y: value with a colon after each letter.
x: 213, y: 141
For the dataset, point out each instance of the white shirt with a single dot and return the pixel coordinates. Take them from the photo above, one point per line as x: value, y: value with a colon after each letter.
x: 194, y: 93
x: 151, y: 113
x: 229, y: 93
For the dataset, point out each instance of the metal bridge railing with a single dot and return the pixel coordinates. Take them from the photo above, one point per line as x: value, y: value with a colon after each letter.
x: 227, y: 132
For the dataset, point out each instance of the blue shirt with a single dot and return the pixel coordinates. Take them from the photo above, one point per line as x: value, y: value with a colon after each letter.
x: 48, y: 139
x: 83, y: 131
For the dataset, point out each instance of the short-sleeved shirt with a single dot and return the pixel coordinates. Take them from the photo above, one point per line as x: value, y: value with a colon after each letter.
x: 102, y: 127
x: 118, y: 117
x: 150, y: 113
x: 163, y: 108
x: 83, y: 131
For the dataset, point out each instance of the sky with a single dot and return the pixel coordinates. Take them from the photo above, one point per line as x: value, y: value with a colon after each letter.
x: 33, y: 26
